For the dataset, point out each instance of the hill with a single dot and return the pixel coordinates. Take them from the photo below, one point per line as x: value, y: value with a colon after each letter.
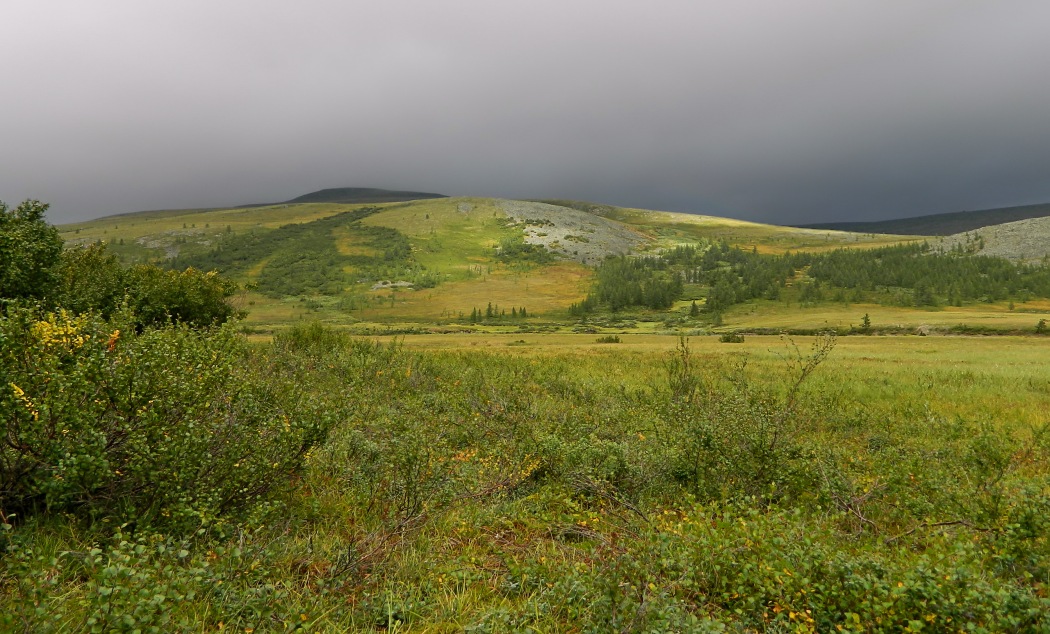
x: 1021, y: 241
x: 941, y: 224
x: 435, y: 260
x: 360, y: 195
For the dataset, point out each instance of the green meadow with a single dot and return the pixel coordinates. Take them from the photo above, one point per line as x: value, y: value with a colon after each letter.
x: 552, y: 483
x: 437, y: 416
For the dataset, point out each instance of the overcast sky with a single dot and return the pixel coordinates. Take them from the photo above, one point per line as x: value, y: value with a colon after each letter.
x: 773, y: 110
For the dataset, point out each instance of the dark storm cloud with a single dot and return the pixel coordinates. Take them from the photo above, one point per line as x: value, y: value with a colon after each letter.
x: 779, y: 111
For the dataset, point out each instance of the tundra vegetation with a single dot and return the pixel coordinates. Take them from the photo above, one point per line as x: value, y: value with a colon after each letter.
x: 159, y: 472
x: 433, y: 264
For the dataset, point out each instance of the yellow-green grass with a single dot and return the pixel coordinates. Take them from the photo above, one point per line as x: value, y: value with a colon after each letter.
x: 670, y: 228
x: 1001, y: 380
x: 269, y: 311
x: 454, y: 238
x: 448, y: 234
x: 149, y: 223
x: 447, y: 238
x: 459, y: 559
x: 147, y: 234
x: 347, y: 242
x: 778, y: 314
x: 541, y: 291
x: 467, y: 227
x: 544, y: 291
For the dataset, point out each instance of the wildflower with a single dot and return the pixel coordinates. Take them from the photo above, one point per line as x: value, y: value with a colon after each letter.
x: 26, y: 401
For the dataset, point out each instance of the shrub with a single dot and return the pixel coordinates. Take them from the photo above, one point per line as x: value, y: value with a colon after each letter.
x: 312, y: 338
x: 609, y: 339
x: 29, y: 249
x: 730, y: 439
x: 191, y: 296
x: 90, y: 279
x: 731, y: 337
x: 172, y: 425
x: 146, y: 582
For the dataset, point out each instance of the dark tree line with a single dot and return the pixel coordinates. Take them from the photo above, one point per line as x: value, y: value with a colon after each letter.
x: 912, y: 274
x: 493, y: 311
x: 932, y: 276
x: 650, y: 282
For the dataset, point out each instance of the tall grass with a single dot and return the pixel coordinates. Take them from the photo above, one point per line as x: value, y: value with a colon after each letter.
x: 624, y: 489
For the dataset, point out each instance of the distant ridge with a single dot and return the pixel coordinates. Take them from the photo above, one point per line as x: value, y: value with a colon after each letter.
x: 940, y: 224
x: 360, y: 195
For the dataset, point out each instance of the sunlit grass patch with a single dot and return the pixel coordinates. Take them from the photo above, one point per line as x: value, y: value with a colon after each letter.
x: 541, y: 291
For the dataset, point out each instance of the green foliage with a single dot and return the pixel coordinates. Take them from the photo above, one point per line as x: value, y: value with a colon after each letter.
x: 609, y: 339
x: 927, y: 274
x: 731, y: 337
x: 311, y: 339
x: 494, y: 314
x: 304, y: 258
x: 138, y: 583
x: 192, y: 297
x: 729, y: 439
x: 510, y: 492
x: 580, y: 309
x: 908, y: 275
x: 29, y: 249
x: 90, y: 279
x: 622, y: 282
x: 33, y: 266
x: 782, y: 570
x: 161, y: 428
x: 516, y: 250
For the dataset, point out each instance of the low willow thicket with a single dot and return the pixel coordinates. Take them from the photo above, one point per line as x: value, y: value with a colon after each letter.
x: 184, y: 480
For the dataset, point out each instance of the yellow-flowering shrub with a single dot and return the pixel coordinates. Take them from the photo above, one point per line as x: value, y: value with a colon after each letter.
x: 170, y: 425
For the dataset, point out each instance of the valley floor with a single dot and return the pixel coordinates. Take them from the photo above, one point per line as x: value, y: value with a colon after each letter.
x: 551, y: 483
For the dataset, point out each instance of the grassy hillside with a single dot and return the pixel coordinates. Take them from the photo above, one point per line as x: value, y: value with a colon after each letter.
x: 428, y: 260
x: 668, y: 229
x: 435, y: 263
x: 941, y: 224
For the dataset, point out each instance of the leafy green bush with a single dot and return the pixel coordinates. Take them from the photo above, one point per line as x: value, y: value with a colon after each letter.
x: 515, y: 249
x: 147, y: 582
x: 729, y: 438
x: 780, y: 568
x: 172, y: 426
x: 29, y: 249
x: 190, y: 296
x: 90, y: 278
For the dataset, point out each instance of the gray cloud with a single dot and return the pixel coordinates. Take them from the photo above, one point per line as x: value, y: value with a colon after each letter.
x: 777, y: 111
